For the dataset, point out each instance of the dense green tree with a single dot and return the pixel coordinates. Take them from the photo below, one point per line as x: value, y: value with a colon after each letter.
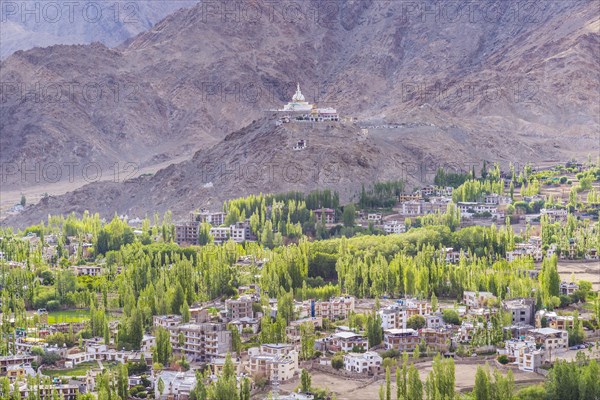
x: 225, y: 387
x: 305, y: 381
x: 307, y: 340
x: 374, y: 331
x: 482, y: 387
x: 388, y: 384
x: 416, y: 322
x: 349, y: 215
x: 245, y: 389
x: 414, y: 385
x: 236, y: 340
x: 185, y: 312
x: 162, y: 351
x: 204, y: 236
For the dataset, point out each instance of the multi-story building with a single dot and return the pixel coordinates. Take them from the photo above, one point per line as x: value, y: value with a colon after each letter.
x: 276, y: 362
x: 400, y: 339
x: 568, y: 288
x: 148, y: 342
x: 496, y: 199
x: 9, y: 361
x: 553, y: 341
x: 417, y: 307
x: 517, y: 330
x: 236, y: 232
x: 325, y: 214
x: 552, y: 320
x: 524, y: 353
x: 467, y: 329
x: 529, y: 359
x: 363, y: 363
x: 48, y: 392
x: 89, y: 270
x: 435, y: 191
x: 396, y: 315
x: 166, y: 321
x: 555, y: 214
x: 201, y: 341
x: 240, y: 307
x: 412, y: 207
x: 409, y: 197
x: 348, y: 341
x: 434, y: 321
x: 524, y: 250
x: 467, y: 209
x: 293, y: 329
x: 394, y: 227
x: 522, y: 310
x: 393, y: 317
x: 375, y: 218
x: 215, y: 219
x: 437, y: 339
x: 15, y: 372
x: 592, y: 254
x: 334, y: 308
x: 187, y: 233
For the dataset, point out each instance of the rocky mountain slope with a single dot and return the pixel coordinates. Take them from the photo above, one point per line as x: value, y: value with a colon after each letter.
x: 28, y: 24
x: 498, y: 80
x: 263, y: 157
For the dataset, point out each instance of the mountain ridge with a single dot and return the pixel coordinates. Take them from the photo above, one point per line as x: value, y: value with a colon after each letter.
x: 528, y: 86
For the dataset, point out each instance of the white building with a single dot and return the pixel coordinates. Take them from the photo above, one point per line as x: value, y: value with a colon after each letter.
x: 298, y: 102
x: 496, y: 199
x: 222, y: 234
x: 374, y: 217
x: 452, y: 256
x: 435, y: 321
x: 412, y: 207
x: 309, y: 112
x: 178, y: 385
x: 524, y: 353
x: 89, y: 270
x: 568, y: 288
x: 555, y: 214
x: 362, y: 363
x: 215, y: 219
x: 148, y: 341
x: 469, y: 208
x: 396, y: 315
x: 394, y: 227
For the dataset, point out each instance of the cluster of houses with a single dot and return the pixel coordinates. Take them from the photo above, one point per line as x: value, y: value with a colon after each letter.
x: 533, y: 248
x: 187, y: 233
x: 433, y: 199
x: 536, y: 338
x: 74, y: 247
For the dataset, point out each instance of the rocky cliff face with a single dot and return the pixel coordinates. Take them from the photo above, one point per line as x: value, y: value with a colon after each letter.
x: 500, y: 80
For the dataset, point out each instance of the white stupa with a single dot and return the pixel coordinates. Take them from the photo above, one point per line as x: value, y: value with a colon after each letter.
x: 298, y: 102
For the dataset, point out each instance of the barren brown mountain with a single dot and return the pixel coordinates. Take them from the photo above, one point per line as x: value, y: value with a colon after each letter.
x: 496, y: 80
x: 29, y: 23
